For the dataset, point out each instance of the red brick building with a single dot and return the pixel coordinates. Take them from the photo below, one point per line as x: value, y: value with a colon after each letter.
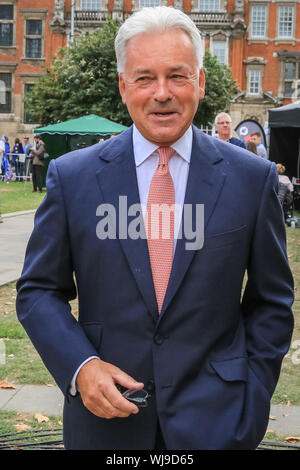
x: 258, y: 39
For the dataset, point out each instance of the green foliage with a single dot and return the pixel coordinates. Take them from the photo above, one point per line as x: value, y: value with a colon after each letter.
x: 220, y: 88
x: 83, y: 80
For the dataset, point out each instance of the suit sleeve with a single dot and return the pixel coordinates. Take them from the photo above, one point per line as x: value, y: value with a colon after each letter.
x: 268, y: 295
x: 47, y: 285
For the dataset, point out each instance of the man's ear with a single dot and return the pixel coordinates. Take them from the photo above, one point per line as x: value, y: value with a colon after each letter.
x: 122, y: 87
x: 201, y: 85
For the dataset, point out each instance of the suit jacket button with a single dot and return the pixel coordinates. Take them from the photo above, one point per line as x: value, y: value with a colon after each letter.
x: 150, y: 386
x: 158, y: 339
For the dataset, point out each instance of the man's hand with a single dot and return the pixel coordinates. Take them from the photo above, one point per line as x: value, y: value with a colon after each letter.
x: 97, y: 381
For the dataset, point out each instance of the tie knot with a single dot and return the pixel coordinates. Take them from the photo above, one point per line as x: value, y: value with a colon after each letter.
x: 165, y: 153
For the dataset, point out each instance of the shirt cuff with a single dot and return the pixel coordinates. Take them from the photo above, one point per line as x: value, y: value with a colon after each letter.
x: 73, y: 387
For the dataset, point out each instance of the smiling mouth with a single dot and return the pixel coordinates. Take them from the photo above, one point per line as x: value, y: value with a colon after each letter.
x: 164, y: 114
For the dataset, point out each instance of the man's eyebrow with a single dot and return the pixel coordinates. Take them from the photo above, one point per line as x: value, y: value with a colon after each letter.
x: 176, y: 68
x: 142, y: 71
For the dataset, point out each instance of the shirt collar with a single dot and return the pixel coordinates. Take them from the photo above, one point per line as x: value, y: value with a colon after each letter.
x: 142, y: 148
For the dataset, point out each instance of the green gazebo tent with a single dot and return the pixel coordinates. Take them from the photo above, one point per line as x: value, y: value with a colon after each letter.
x: 77, y: 133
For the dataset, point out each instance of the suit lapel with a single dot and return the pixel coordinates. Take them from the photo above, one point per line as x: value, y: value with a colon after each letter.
x: 118, y: 178
x: 205, y: 182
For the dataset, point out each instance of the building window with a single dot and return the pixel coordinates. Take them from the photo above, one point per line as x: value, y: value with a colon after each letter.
x: 5, y: 92
x: 254, y: 82
x: 27, y: 117
x: 285, y: 22
x: 33, y: 39
x: 209, y: 5
x: 149, y: 3
x: 292, y: 80
x: 258, y: 21
x: 93, y: 5
x: 219, y: 49
x: 6, y: 25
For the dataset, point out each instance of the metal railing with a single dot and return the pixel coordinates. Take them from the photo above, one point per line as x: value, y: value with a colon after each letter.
x: 25, y: 160
x: 98, y: 17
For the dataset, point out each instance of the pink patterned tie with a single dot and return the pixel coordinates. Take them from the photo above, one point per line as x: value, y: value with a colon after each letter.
x: 160, y: 224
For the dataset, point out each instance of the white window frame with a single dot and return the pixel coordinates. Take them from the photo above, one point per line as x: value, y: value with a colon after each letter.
x: 294, y: 81
x: 260, y: 7
x: 292, y: 32
x: 258, y: 83
x: 210, y: 6
x: 213, y: 43
x: 91, y: 5
x: 149, y: 3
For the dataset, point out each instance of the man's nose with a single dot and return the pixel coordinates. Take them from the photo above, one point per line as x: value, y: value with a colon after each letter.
x: 162, y: 91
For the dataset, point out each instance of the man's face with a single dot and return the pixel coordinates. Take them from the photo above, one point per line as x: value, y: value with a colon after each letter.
x: 255, y: 139
x: 161, y: 85
x: 223, y: 127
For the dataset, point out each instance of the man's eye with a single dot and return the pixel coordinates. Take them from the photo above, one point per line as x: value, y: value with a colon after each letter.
x: 143, y: 79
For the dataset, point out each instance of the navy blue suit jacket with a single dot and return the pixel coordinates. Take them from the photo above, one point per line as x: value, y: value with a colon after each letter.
x: 214, y: 353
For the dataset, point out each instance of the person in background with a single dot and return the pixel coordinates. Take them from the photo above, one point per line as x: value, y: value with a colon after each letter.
x: 6, y: 170
x: 2, y: 149
x: 27, y: 146
x: 285, y: 190
x: 37, y: 163
x: 255, y: 137
x: 284, y: 179
x: 19, y: 166
x: 4, y: 160
x: 7, y: 146
x: 251, y: 147
x: 2, y: 154
x: 223, y: 128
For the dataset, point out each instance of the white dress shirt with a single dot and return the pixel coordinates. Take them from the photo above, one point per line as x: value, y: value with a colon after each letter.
x: 146, y: 161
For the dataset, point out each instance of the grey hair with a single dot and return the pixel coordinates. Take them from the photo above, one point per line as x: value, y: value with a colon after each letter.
x: 220, y: 115
x: 156, y: 19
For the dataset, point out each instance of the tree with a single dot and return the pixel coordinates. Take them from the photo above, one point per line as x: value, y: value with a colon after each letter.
x: 82, y: 79
x: 220, y: 88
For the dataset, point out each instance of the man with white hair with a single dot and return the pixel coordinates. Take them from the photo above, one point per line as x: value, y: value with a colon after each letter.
x: 165, y: 352
x: 223, y: 128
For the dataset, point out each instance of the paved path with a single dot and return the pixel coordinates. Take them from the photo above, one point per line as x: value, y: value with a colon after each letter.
x: 33, y: 399
x: 285, y: 420
x: 14, y: 235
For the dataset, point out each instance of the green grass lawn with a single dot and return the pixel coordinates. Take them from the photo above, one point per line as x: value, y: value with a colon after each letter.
x: 20, y: 429
x: 16, y: 197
